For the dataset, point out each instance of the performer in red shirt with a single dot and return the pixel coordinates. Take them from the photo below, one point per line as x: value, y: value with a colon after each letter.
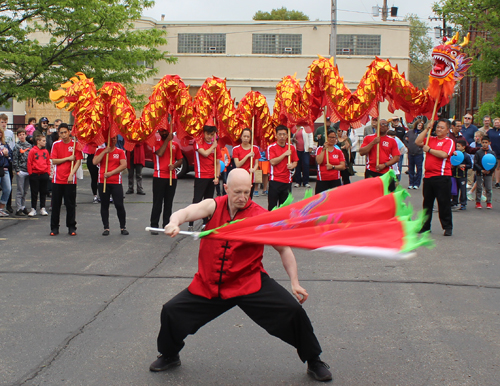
x: 39, y: 171
x: 206, y: 174
x: 117, y: 162
x: 437, y: 177
x: 329, y: 174
x: 163, y: 192
x: 244, y: 152
x: 231, y: 274
x: 389, y: 152
x: 280, y: 179
x: 64, y: 155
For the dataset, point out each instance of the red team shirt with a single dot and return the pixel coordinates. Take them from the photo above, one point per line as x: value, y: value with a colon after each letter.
x: 435, y: 166
x: 61, y: 171
x: 204, y: 166
x: 240, y: 153
x: 335, y: 157
x: 388, y: 150
x: 113, y: 162
x: 162, y: 163
x: 280, y: 172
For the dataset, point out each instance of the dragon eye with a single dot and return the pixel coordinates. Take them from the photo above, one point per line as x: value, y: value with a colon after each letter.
x: 454, y: 53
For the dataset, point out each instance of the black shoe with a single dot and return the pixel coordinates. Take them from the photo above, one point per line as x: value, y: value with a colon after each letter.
x: 154, y: 233
x: 497, y: 185
x: 164, y: 363
x: 106, y: 232
x: 124, y: 232
x: 130, y: 191
x: 9, y: 209
x: 54, y: 232
x: 20, y: 213
x: 447, y: 232
x: 141, y: 192
x: 318, y: 369
x: 26, y: 211
x: 72, y: 231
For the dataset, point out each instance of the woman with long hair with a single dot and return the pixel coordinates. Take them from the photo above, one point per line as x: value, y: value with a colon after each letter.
x: 5, y: 160
x: 329, y: 172
x: 244, y: 152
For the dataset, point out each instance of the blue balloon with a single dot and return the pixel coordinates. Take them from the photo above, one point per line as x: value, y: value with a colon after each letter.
x: 488, y: 161
x: 222, y: 166
x: 457, y: 159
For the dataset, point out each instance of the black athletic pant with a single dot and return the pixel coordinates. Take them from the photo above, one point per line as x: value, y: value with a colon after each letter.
x: 371, y: 173
x: 277, y: 194
x: 115, y: 191
x: 203, y: 188
x: 38, y: 184
x: 272, y: 307
x: 163, y: 196
x: 94, y: 173
x: 321, y: 186
x: 68, y: 191
x: 437, y: 188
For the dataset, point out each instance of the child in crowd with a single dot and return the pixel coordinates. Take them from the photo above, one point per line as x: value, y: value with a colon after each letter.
x: 30, y: 129
x: 265, y: 166
x: 459, y: 174
x: 39, y: 170
x: 478, y: 135
x: 482, y: 174
x: 20, y: 163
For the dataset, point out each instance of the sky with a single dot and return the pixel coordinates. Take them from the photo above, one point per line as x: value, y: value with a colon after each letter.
x: 238, y: 10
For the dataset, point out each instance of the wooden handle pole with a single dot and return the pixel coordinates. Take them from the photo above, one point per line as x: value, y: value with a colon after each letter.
x: 433, y: 115
x: 251, y: 147
x: 289, y: 146
x: 326, y: 138
x: 107, y: 160
x: 378, y: 134
x: 74, y: 148
x: 172, y: 133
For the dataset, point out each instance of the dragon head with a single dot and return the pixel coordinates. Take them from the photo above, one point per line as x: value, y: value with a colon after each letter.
x: 71, y: 91
x: 448, y: 62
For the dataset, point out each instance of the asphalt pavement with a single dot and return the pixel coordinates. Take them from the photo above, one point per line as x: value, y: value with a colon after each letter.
x: 85, y: 310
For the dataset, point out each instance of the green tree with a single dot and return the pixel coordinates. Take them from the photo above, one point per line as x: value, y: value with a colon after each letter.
x: 482, y: 19
x: 420, y: 51
x: 280, y: 14
x: 45, y: 42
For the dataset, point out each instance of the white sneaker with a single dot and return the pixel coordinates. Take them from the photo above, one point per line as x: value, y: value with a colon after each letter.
x: 43, y: 212
x: 296, y: 185
x: 32, y: 213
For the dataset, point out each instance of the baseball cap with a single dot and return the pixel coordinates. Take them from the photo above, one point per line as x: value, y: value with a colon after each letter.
x: 44, y: 119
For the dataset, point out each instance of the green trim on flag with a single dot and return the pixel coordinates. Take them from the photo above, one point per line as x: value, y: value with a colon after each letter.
x: 412, y: 238
x: 387, y: 178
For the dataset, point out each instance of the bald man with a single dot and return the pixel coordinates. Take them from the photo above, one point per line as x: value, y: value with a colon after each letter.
x: 231, y: 274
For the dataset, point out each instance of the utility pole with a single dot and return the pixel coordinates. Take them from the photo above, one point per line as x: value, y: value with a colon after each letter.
x: 333, y: 32
x: 384, y: 11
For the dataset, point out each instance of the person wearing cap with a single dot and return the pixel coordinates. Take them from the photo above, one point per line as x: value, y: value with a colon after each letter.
x: 400, y: 131
x: 42, y: 127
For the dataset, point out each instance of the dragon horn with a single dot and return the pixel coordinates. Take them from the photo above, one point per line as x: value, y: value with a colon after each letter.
x: 466, y: 40
x: 453, y: 40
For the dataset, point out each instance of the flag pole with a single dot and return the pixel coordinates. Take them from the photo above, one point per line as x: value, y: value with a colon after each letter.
x: 74, y: 147
x: 289, y: 146
x: 326, y: 136
x: 107, y: 160
x: 172, y: 134
x: 433, y: 115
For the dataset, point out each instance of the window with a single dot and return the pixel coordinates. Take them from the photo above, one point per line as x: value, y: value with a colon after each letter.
x: 201, y: 44
x: 358, y: 45
x: 277, y: 44
x: 144, y: 63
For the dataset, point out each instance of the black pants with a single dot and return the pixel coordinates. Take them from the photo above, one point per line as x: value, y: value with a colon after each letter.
x: 163, y: 196
x: 371, y: 173
x: 278, y: 193
x: 68, y: 191
x: 272, y: 307
x: 321, y: 186
x: 203, y: 188
x: 115, y: 191
x: 94, y: 173
x: 38, y: 184
x: 461, y: 196
x: 437, y: 188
